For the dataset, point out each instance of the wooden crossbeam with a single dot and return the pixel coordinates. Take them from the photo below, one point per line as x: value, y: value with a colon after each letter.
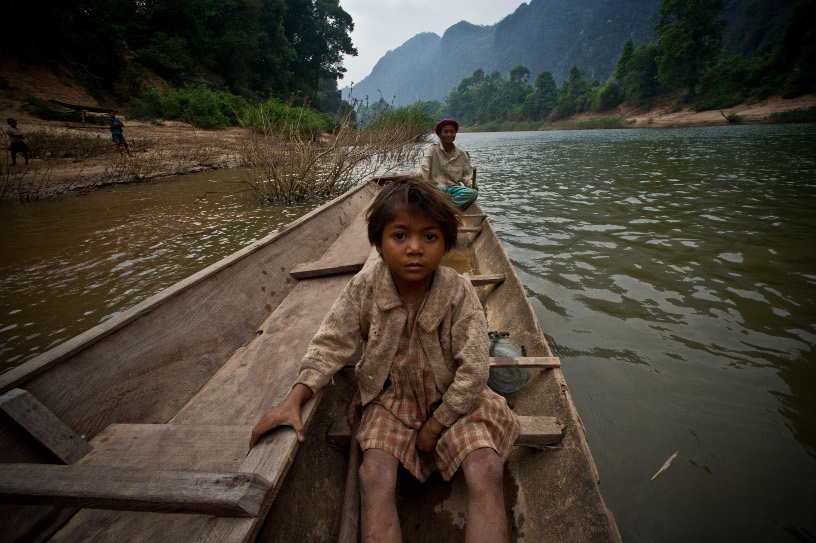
x: 536, y: 432
x: 539, y: 432
x: 539, y: 362
x: 470, y: 229
x: 128, y: 489
x: 44, y: 426
x: 486, y: 279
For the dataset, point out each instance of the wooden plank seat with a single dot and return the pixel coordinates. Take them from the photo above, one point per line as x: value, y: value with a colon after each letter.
x: 485, y: 279
x: 470, y: 229
x: 104, y: 487
x: 346, y: 255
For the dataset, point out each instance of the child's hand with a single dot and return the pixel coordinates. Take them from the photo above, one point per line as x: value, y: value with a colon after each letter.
x: 428, y: 435
x: 286, y: 413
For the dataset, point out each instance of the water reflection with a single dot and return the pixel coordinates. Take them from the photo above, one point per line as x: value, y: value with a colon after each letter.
x: 69, y: 264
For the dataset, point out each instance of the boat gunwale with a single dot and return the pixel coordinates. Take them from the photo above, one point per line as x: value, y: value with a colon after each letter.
x: 44, y: 361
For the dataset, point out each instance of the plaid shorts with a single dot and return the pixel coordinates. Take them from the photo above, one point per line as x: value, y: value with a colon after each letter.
x: 393, y: 419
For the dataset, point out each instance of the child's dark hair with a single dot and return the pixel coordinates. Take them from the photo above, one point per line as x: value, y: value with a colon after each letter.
x: 416, y: 197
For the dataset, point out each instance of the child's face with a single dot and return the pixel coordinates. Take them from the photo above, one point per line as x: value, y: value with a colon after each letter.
x: 413, y: 247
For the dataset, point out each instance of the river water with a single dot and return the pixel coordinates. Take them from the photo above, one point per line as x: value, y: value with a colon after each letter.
x: 672, y: 270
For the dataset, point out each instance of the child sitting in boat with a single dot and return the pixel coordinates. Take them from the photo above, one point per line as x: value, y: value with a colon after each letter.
x: 448, y: 166
x: 423, y: 372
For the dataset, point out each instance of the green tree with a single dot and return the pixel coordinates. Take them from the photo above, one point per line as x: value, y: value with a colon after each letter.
x: 574, y: 93
x: 622, y: 68
x: 547, y: 92
x: 318, y: 30
x: 690, y: 37
x: 797, y: 49
x: 637, y: 74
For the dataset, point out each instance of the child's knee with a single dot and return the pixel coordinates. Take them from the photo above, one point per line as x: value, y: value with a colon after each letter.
x: 377, y: 474
x: 484, y: 471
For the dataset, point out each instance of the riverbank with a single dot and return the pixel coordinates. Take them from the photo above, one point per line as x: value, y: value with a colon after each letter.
x: 667, y: 114
x: 79, y: 158
x: 74, y: 158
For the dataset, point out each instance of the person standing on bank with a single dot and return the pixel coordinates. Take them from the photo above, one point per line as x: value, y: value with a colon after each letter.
x: 118, y: 136
x: 18, y: 144
x: 448, y: 166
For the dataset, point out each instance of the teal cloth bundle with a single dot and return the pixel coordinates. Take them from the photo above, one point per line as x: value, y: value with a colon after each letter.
x: 460, y: 196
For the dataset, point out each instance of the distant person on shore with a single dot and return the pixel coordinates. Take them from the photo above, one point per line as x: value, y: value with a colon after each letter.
x: 449, y: 167
x: 18, y: 144
x: 118, y: 136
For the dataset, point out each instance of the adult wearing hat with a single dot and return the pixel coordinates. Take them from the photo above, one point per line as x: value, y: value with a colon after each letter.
x: 449, y: 167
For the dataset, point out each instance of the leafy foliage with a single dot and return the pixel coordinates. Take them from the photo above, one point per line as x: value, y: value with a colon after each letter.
x: 690, y: 39
x: 275, y: 116
x: 199, y: 106
x: 252, y: 48
x: 797, y: 115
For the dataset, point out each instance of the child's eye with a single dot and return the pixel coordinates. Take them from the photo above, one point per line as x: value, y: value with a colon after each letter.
x: 399, y: 235
x: 430, y: 236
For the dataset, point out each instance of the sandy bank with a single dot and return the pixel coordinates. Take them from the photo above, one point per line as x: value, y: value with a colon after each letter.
x: 666, y: 115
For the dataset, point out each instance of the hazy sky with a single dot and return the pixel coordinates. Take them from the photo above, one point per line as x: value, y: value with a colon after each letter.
x: 382, y: 25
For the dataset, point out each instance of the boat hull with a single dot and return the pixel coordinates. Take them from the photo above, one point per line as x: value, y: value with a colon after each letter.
x: 216, y: 351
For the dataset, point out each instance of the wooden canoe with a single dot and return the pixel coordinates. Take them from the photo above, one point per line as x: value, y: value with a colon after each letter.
x: 138, y: 429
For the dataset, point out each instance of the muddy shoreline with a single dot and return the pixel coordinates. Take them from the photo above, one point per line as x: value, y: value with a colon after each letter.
x: 172, y: 148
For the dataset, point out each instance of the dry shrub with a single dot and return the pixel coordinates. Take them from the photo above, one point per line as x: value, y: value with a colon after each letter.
x: 284, y: 165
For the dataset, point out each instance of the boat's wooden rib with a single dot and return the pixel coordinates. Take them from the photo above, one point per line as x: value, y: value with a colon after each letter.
x: 176, y: 384
x: 128, y: 489
x: 43, y: 426
x: 346, y: 255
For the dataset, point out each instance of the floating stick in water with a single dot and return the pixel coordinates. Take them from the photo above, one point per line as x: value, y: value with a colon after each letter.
x: 665, y: 466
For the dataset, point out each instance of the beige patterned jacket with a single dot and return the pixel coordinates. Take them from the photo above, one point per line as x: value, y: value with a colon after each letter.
x: 452, y: 331
x: 437, y: 167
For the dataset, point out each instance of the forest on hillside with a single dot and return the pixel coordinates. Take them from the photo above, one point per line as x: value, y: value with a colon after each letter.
x: 217, y: 63
x: 686, y: 60
x: 249, y: 48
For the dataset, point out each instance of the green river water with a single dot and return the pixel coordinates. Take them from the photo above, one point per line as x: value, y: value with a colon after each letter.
x: 672, y: 270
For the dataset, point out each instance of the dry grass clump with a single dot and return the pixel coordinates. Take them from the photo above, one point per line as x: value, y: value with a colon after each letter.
x: 287, y: 165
